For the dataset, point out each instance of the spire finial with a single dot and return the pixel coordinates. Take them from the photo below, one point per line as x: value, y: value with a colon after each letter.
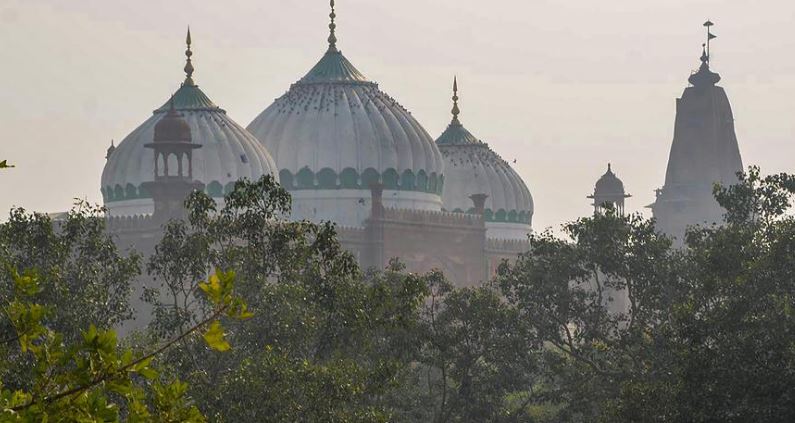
x: 332, y: 38
x: 609, y: 167
x: 710, y: 37
x: 110, y: 150
x: 188, y: 64
x: 456, y: 111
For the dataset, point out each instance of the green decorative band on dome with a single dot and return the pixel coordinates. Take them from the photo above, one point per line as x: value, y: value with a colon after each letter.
x: 502, y: 215
x: 117, y: 193
x: 350, y: 178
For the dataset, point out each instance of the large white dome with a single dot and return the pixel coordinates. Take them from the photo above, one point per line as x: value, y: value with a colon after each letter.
x: 334, y: 133
x: 228, y: 153
x: 472, y: 167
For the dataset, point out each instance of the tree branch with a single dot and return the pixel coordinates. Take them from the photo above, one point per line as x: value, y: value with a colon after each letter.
x: 107, y: 376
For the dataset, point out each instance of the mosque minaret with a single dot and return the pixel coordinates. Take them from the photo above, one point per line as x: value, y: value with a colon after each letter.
x: 350, y: 154
x: 227, y: 151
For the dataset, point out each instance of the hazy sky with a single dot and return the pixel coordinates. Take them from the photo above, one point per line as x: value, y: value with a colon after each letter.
x: 561, y: 86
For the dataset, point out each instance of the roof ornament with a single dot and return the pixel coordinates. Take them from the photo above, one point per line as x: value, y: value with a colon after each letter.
x: 704, y: 77
x: 188, y: 65
x: 332, y: 38
x: 456, y: 111
x: 110, y: 150
x: 710, y: 37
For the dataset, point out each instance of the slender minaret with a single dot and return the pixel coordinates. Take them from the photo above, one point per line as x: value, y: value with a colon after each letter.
x: 172, y: 184
x: 704, y: 152
x: 173, y: 147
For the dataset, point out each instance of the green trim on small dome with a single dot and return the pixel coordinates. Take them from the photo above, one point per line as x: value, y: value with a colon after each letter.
x: 333, y: 67
x: 129, y: 192
x: 456, y: 134
x: 501, y: 215
x: 190, y: 97
x: 349, y: 178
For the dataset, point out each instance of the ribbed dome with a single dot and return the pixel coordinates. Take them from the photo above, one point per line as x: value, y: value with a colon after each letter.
x: 471, y: 167
x: 334, y: 133
x: 228, y: 153
x: 334, y: 119
x: 609, y: 184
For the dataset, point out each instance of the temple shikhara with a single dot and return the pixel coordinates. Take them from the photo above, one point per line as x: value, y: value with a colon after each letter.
x: 351, y: 154
x: 704, y: 152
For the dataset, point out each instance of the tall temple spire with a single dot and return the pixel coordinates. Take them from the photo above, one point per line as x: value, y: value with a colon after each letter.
x: 332, y: 38
x: 188, y: 64
x: 704, y: 151
x: 456, y: 111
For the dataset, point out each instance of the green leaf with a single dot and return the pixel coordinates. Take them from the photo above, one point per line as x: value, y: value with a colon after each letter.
x: 148, y: 372
x: 215, y: 337
x: 26, y: 284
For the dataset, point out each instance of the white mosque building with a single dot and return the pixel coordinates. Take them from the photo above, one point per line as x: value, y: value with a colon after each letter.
x: 348, y: 153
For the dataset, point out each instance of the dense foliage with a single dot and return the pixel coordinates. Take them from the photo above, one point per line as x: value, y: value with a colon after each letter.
x: 649, y: 333
x: 608, y: 323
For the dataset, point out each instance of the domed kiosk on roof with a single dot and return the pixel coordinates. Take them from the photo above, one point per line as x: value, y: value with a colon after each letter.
x: 609, y: 192
x: 228, y: 152
x: 472, y: 168
x: 335, y: 133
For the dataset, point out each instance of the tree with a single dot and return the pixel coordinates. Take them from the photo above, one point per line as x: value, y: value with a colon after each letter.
x: 327, y: 341
x: 479, y: 357
x: 644, y: 332
x: 85, y: 279
x: 93, y: 379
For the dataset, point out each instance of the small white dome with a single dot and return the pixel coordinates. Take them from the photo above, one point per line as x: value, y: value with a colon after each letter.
x: 471, y: 167
x: 228, y: 153
x: 334, y: 133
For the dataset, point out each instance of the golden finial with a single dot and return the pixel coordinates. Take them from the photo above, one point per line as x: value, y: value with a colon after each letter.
x: 455, y: 110
x: 188, y: 64
x: 332, y: 38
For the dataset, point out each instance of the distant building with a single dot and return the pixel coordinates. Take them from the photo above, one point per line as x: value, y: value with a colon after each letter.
x: 704, y: 152
x: 228, y: 152
x: 348, y: 153
x: 609, y: 192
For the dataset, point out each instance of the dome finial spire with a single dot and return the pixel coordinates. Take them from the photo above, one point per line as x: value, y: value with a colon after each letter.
x: 188, y: 64
x: 332, y: 38
x: 704, y: 77
x: 456, y: 111
x: 710, y: 37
